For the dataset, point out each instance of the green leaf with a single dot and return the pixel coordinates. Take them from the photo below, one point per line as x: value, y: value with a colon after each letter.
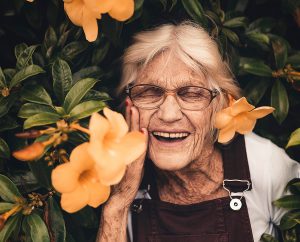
x: 62, y: 78
x: 100, y: 53
x: 280, y: 52
x: 232, y: 36
x: 50, y: 39
x: 10, y: 226
x: 4, y: 207
x: 63, y: 38
x: 38, y: 229
x: 9, y: 73
x: 36, y: 94
x: 30, y: 109
x: 255, y: 67
x: 85, y: 109
x: 4, y: 150
x: 77, y: 92
x: 57, y: 223
x: 164, y: 4
x: 73, y: 49
x: 280, y: 101
x: 25, y: 73
x: 236, y: 22
x: 263, y: 25
x: 2, y: 79
x: 290, y: 202
x: 256, y: 89
x: 91, y: 71
x: 8, y: 191
x: 19, y: 49
x: 288, y: 219
x: 25, y: 58
x: 268, y: 238
x: 195, y: 10
x: 294, y: 139
x: 7, y: 123
x: 6, y: 103
x: 41, y: 119
x: 96, y: 95
x: 294, y: 60
x: 259, y: 38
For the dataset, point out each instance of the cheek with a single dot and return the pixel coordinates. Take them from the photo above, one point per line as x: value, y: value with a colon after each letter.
x: 145, y: 117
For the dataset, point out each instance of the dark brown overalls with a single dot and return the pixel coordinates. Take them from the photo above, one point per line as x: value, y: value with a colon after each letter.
x: 208, y: 221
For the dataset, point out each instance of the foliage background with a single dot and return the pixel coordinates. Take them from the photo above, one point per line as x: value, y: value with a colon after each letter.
x: 43, y: 55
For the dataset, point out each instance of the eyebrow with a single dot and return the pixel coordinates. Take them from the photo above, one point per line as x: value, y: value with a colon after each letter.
x: 183, y: 82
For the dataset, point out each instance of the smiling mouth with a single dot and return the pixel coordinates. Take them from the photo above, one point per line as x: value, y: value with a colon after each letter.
x: 170, y: 137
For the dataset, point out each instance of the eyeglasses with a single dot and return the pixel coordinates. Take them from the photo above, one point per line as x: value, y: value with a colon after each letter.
x: 193, y: 98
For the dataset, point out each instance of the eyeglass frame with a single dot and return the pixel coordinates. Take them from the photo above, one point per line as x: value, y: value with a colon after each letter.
x: 213, y: 94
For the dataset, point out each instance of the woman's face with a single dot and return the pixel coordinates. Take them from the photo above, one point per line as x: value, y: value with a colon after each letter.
x: 168, y: 120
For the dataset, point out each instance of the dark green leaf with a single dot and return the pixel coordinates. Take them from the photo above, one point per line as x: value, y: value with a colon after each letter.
x: 236, y: 22
x: 279, y: 101
x: 8, y: 191
x: 86, y: 217
x: 294, y: 60
x: 50, y: 39
x: 290, y: 202
x: 77, y: 92
x: 256, y: 89
x: 259, y: 38
x: 57, y: 223
x: 232, y: 36
x: 10, y: 226
x: 19, y: 49
x: 41, y: 119
x: 62, y: 79
x: 85, y: 109
x: 294, y: 139
x: 164, y: 3
x: 4, y: 150
x: 91, y: 71
x: 6, y: 103
x: 25, y: 73
x: 25, y: 58
x: 99, y: 53
x: 7, y: 123
x: 195, y: 10
x: 38, y: 229
x: 30, y: 109
x: 42, y: 172
x: 96, y: 95
x: 288, y: 220
x: 73, y: 49
x: 9, y: 73
x: 280, y: 52
x: 267, y: 238
x: 36, y: 94
x: 2, y: 79
x: 174, y: 2
x: 4, y: 207
x: 63, y: 38
x: 255, y: 67
x: 263, y: 25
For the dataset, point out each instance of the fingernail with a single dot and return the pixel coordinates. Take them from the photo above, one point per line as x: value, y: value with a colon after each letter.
x: 143, y: 130
x: 130, y: 110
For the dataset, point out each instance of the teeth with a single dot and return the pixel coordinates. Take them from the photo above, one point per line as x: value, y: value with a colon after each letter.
x: 171, y: 135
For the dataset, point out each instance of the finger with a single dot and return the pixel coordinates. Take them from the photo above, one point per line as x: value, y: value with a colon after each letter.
x: 127, y: 111
x: 135, y: 119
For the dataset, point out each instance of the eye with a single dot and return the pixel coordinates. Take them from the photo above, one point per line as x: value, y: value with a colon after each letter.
x: 192, y: 93
x: 146, y: 92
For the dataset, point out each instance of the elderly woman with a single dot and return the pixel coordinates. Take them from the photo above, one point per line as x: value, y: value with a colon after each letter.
x: 193, y: 189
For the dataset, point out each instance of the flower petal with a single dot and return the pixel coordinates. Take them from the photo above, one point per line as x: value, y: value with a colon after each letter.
x: 227, y: 133
x: 89, y: 24
x: 100, y: 6
x: 223, y: 118
x: 98, y: 193
x: 122, y: 10
x: 260, y: 112
x: 243, y: 124
x: 118, y: 124
x: 99, y: 126
x: 65, y: 178
x: 80, y: 158
x: 240, y: 106
x: 113, y: 171
x: 74, y: 10
x: 132, y: 146
x: 74, y: 201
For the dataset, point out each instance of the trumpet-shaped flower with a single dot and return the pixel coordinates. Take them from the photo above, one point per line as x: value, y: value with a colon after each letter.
x: 239, y: 117
x: 84, y: 13
x: 78, y: 181
x: 112, y: 147
x: 97, y: 164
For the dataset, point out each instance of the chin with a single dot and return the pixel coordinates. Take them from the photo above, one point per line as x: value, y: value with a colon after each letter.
x: 169, y: 163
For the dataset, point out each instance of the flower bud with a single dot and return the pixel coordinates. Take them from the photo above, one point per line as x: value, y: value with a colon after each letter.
x: 29, y: 134
x: 30, y: 152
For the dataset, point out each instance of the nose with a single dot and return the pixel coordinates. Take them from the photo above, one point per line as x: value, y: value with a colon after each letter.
x: 169, y: 111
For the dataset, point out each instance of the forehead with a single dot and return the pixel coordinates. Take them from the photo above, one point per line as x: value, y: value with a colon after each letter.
x: 167, y: 70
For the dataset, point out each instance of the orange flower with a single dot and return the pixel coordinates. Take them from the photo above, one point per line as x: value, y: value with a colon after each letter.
x: 112, y: 147
x: 31, y: 152
x: 85, y: 13
x: 239, y: 117
x: 78, y: 181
